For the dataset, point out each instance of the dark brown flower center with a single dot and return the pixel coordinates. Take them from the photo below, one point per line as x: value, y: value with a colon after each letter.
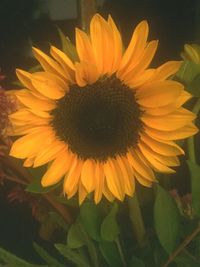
x: 100, y: 120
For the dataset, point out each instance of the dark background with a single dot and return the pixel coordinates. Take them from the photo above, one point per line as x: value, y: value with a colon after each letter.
x: 24, y: 23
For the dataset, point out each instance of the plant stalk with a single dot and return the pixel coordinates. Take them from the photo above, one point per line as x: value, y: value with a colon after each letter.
x: 136, y: 219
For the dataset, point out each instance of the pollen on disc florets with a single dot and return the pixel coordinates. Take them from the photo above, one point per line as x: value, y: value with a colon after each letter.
x: 98, y: 121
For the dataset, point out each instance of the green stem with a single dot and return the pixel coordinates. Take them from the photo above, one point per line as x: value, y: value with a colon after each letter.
x: 191, y: 149
x: 190, y: 141
x: 136, y: 219
x: 87, y: 9
x: 117, y: 241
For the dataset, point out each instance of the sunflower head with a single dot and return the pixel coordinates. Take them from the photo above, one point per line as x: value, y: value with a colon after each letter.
x: 104, y: 121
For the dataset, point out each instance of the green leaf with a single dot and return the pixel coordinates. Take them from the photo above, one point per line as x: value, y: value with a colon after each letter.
x: 52, y: 262
x: 135, y: 262
x: 36, y: 187
x: 73, y: 202
x: 71, y: 255
x: 67, y: 47
x: 90, y: 217
x: 90, y: 246
x: 188, y: 71
x: 185, y: 260
x: 166, y: 219
x: 195, y: 180
x: 75, y: 237
x: 194, y: 86
x: 14, y: 261
x: 109, y: 226
x: 110, y: 253
x: 160, y: 256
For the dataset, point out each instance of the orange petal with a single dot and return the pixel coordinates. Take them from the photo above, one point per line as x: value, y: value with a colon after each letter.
x: 117, y: 44
x: 25, y: 78
x: 86, y: 73
x: 135, y: 47
x: 163, y: 148
x: 142, y: 180
x: 99, y: 182
x: 139, y: 166
x: 102, y: 44
x: 167, y: 69
x: 33, y: 102
x: 127, y: 175
x: 170, y: 122
x: 84, y: 47
x: 33, y: 142
x: 157, y: 165
x: 158, y: 94
x: 144, y: 62
x: 114, y: 184
x: 49, y: 153
x: 49, y: 85
x: 71, y: 182
x: 65, y: 62
x: 178, y: 102
x: 48, y: 63
x: 82, y: 193
x: 58, y: 168
x: 181, y: 133
x: 88, y: 175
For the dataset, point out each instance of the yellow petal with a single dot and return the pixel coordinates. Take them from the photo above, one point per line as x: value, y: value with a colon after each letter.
x: 86, y: 73
x: 181, y: 133
x: 31, y: 101
x: 167, y: 69
x: 142, y: 180
x: 170, y: 122
x: 88, y: 175
x: 114, y: 184
x: 102, y: 44
x: 127, y: 175
x: 158, y: 166
x: 71, y: 182
x: 135, y: 47
x: 184, y: 96
x: 49, y: 85
x: 65, y: 62
x: 99, y: 182
x: 139, y: 166
x: 61, y: 57
x: 106, y: 192
x: 29, y: 162
x: 141, y: 79
x: 25, y: 117
x: 82, y: 193
x: 25, y: 78
x: 31, y: 143
x: 84, y: 47
x: 21, y: 130
x: 58, y: 168
x: 48, y: 63
x: 117, y: 45
x: 49, y: 153
x: 165, y: 160
x: 144, y: 62
x: 163, y: 148
x: 158, y: 94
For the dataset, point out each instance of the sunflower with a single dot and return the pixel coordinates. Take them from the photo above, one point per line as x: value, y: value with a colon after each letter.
x: 105, y: 121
